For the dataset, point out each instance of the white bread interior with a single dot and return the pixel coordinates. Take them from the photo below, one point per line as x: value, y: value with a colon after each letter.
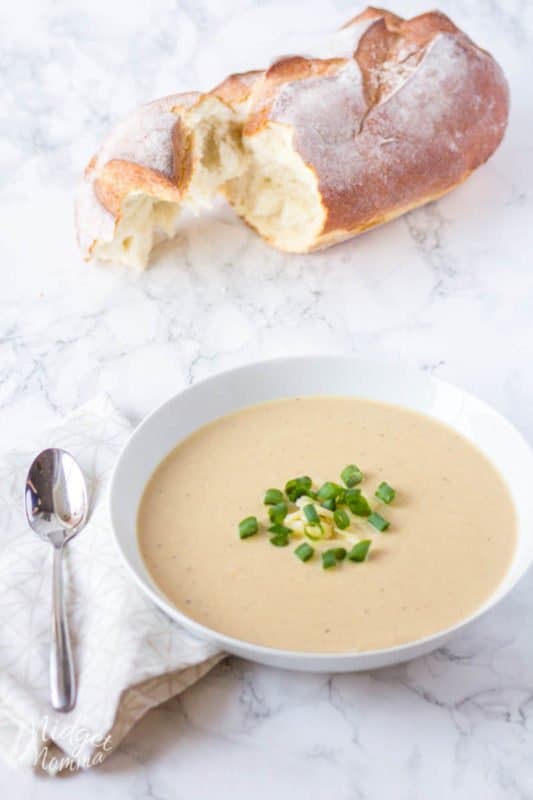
x: 262, y: 176
x: 144, y: 220
x: 218, y: 151
x: 277, y: 193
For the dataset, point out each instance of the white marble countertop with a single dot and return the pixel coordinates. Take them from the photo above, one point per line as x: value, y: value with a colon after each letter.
x: 449, y: 288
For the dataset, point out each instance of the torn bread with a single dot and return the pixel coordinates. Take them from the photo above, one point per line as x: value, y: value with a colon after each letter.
x: 379, y: 118
x: 172, y: 153
x: 131, y: 189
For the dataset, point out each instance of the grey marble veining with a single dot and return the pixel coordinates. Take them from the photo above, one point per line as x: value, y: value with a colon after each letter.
x: 448, y: 287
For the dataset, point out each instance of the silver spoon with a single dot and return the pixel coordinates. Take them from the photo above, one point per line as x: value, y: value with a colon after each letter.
x: 57, y: 509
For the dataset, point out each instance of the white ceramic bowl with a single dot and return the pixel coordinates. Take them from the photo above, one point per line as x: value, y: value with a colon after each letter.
x: 162, y: 430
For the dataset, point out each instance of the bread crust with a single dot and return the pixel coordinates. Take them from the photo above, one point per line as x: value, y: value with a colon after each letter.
x: 236, y: 88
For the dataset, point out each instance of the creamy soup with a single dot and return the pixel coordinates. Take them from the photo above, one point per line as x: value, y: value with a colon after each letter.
x: 451, y: 537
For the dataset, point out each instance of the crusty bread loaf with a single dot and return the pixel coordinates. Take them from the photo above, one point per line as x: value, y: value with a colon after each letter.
x: 384, y: 116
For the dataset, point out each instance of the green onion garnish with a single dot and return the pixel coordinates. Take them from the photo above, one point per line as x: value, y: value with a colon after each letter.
x: 278, y: 512
x: 378, y: 522
x: 279, y: 540
x: 341, y: 497
x: 350, y: 495
x: 311, y: 514
x: 304, y: 551
x: 351, y: 475
x: 248, y: 527
x: 314, y: 532
x: 329, y: 491
x: 282, y: 530
x: 385, y: 492
x: 341, y: 519
x: 357, y: 504
x: 297, y: 487
x: 329, y: 559
x: 273, y: 497
x: 338, y: 500
x: 360, y: 550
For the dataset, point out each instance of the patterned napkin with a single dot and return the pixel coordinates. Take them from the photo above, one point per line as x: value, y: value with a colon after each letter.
x: 129, y: 656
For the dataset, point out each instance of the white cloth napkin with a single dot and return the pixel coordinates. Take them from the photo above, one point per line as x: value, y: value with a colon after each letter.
x: 129, y: 656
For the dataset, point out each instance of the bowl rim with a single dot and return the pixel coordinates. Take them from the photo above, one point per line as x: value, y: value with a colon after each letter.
x: 397, y: 653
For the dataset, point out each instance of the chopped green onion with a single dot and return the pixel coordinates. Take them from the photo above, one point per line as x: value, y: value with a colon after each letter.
x: 329, y: 559
x: 341, y: 519
x: 330, y: 504
x: 385, y: 492
x: 357, y: 504
x: 297, y: 487
x: 278, y: 512
x: 351, y: 475
x: 279, y: 540
x: 329, y: 491
x: 360, y: 550
x: 273, y: 497
x: 282, y: 530
x: 330, y: 496
x: 378, y: 522
x: 350, y: 495
x: 314, y: 532
x: 248, y: 527
x: 341, y: 497
x: 304, y: 551
x: 311, y: 514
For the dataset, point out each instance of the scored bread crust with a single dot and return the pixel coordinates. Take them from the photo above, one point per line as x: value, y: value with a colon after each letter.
x: 387, y: 115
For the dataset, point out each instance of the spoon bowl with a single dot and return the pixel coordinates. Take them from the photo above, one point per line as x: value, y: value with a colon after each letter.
x: 56, y: 496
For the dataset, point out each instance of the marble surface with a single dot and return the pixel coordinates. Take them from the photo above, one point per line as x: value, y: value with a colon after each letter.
x: 448, y: 288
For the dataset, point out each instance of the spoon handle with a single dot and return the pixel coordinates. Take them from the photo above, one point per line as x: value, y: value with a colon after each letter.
x: 62, y: 678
